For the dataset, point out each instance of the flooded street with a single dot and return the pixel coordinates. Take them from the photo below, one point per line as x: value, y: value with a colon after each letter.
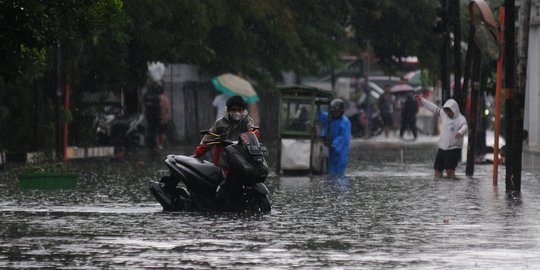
x: 107, y: 85
x: 388, y: 212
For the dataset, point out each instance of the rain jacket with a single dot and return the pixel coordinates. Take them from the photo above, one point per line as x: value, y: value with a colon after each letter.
x: 151, y: 101
x: 340, y: 137
x: 450, y: 126
x: 228, y: 129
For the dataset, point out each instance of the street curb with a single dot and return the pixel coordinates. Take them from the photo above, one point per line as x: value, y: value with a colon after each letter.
x: 89, y: 152
x: 72, y: 153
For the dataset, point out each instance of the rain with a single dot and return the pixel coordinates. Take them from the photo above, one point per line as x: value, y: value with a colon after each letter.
x: 271, y: 135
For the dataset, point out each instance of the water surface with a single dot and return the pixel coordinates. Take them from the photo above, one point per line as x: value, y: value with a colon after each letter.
x: 388, y: 212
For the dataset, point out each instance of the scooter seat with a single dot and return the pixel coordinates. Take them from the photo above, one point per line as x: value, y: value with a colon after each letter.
x: 203, y: 167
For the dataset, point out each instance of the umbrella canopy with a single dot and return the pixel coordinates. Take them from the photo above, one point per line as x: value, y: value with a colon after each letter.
x: 414, y: 78
x: 409, y: 75
x: 232, y: 85
x: 401, y: 88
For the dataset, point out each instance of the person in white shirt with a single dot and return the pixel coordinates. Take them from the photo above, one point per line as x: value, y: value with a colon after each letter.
x: 454, y: 127
x: 219, y: 103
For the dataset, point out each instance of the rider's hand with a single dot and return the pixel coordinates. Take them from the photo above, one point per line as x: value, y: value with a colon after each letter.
x: 459, y: 136
x: 418, y: 97
x: 200, y: 150
x: 327, y: 142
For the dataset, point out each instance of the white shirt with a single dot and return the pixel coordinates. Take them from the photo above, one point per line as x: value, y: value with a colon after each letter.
x: 220, y: 102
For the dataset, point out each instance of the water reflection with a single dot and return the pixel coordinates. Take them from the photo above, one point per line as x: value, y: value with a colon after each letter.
x: 339, y: 183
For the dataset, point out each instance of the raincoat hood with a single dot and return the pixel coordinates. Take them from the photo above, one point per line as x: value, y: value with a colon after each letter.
x: 452, y: 105
x: 450, y: 126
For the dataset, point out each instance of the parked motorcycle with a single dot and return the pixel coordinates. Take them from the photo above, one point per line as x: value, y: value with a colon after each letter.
x: 360, y: 122
x: 199, y: 185
x: 123, y: 131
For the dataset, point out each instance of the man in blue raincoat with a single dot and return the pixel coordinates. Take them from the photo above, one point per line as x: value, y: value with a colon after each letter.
x: 340, y: 136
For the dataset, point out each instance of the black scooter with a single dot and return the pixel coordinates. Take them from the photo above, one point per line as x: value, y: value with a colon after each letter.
x: 204, y: 187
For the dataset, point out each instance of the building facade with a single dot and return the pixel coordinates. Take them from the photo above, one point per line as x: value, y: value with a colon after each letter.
x: 531, y: 151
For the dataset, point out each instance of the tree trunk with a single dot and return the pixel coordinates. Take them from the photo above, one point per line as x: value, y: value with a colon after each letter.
x: 476, y: 77
x: 462, y: 100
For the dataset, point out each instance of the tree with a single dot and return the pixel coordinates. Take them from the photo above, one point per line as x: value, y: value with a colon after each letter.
x: 258, y: 39
x: 30, y: 34
x: 105, y: 44
x: 397, y: 29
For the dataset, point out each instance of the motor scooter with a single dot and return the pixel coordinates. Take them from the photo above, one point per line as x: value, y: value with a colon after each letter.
x: 199, y: 185
x: 124, y: 131
x: 361, y: 121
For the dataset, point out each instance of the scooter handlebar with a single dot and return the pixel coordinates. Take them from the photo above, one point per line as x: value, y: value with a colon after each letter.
x: 217, y: 138
x: 224, y: 142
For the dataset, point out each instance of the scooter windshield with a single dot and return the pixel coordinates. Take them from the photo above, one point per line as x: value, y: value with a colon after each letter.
x: 252, y: 144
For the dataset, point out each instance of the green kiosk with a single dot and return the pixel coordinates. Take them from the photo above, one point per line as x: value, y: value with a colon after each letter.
x: 301, y: 148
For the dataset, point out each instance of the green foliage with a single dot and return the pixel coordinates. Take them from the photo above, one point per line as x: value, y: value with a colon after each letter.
x: 105, y: 44
x: 257, y: 38
x: 68, y: 115
x: 396, y: 29
x: 277, y: 35
x: 19, y: 128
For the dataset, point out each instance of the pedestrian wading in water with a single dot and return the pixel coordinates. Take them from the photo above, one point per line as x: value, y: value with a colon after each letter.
x: 339, y: 138
x: 454, y: 127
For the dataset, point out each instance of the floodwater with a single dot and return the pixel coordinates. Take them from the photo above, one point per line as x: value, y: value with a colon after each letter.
x: 388, y: 213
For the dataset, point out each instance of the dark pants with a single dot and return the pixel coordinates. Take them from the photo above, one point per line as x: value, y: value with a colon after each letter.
x: 152, y: 132
x: 387, y: 119
x: 447, y: 159
x: 408, y: 123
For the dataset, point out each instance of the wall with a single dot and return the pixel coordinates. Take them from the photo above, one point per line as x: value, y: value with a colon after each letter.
x: 531, y: 152
x: 190, y: 94
x: 532, y: 98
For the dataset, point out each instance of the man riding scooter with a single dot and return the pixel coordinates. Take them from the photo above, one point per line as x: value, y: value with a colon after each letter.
x: 235, y: 182
x: 230, y: 126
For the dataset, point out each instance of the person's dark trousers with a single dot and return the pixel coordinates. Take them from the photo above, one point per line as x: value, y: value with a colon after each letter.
x: 408, y: 124
x: 152, y: 132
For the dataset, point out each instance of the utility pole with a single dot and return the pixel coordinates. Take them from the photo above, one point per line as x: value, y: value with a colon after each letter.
x: 509, y: 93
x: 445, y: 50
x: 456, y: 29
x: 514, y: 179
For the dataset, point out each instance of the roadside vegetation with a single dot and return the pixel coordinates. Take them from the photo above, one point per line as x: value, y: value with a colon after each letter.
x: 104, y: 45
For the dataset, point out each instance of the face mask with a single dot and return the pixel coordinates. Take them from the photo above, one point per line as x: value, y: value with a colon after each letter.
x: 236, y: 116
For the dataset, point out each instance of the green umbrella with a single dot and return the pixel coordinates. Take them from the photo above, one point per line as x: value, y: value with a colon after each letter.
x: 416, y: 79
x: 232, y: 85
